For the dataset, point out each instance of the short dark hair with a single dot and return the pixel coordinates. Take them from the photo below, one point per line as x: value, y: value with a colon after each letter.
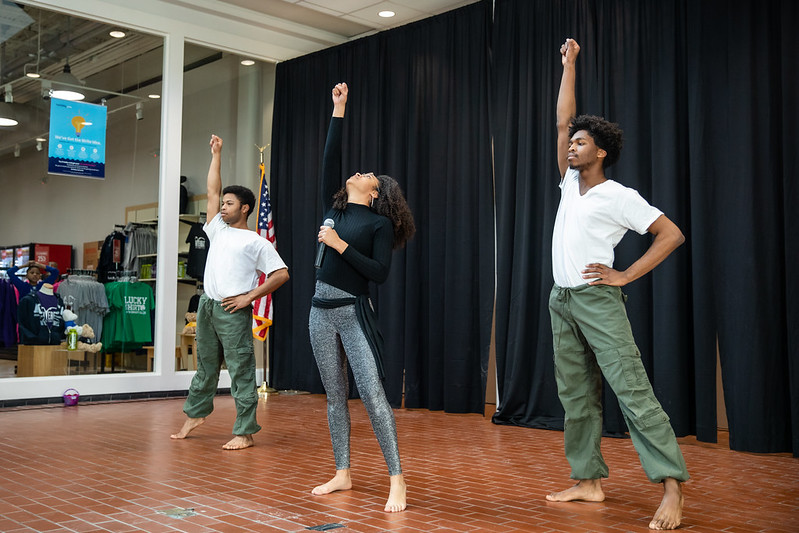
x: 244, y: 195
x: 607, y: 135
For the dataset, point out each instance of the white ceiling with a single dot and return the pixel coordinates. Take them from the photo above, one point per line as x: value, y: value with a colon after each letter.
x: 349, y: 18
x: 43, y: 40
x: 38, y: 39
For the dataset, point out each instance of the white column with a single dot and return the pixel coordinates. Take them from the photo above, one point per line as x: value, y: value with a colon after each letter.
x: 169, y: 205
x: 249, y: 114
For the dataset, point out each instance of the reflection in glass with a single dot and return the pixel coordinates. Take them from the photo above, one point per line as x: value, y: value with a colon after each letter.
x: 229, y: 96
x: 42, y: 49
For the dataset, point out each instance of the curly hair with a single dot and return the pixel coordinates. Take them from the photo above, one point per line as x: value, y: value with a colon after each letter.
x: 390, y: 203
x: 244, y: 195
x: 606, y: 135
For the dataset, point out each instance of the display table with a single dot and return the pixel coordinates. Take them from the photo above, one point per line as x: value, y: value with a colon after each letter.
x: 150, y: 357
x: 188, y: 352
x: 46, y: 360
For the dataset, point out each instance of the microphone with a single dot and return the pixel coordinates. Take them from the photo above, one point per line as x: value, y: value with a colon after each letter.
x: 320, y: 252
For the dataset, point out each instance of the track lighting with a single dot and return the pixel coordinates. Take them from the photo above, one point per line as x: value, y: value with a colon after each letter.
x: 8, y: 116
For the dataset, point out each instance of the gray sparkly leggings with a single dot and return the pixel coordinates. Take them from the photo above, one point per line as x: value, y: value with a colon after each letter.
x: 336, y: 337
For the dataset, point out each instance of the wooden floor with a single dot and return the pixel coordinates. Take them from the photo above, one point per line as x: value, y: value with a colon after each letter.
x: 113, y: 467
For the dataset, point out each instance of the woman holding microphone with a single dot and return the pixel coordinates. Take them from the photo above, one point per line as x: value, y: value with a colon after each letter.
x: 370, y: 218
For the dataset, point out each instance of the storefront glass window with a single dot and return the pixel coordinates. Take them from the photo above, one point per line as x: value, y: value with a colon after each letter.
x: 230, y: 96
x: 73, y: 173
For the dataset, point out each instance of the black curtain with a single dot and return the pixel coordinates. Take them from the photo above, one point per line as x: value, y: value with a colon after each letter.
x: 706, y: 93
x: 418, y: 111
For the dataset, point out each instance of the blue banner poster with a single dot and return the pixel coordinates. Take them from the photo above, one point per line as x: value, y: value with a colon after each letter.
x: 77, y: 139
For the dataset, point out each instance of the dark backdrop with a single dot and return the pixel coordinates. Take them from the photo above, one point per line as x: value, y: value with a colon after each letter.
x: 418, y: 111
x: 706, y: 93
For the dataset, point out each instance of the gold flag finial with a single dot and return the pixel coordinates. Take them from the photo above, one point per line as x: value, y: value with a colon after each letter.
x: 261, y: 150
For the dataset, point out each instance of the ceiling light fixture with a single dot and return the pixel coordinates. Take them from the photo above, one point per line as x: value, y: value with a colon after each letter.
x: 386, y: 14
x: 117, y: 34
x: 247, y: 62
x: 31, y: 74
x: 68, y: 85
x: 8, y: 116
x: 154, y: 96
x: 65, y: 84
x: 35, y: 74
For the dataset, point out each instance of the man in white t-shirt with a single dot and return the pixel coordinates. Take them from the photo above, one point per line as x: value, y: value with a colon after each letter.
x: 236, y: 258
x: 591, y: 333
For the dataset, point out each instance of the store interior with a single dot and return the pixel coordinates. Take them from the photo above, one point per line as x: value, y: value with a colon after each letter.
x: 65, y: 219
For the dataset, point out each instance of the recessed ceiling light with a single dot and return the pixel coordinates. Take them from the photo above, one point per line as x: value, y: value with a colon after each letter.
x: 33, y: 75
x: 117, y: 34
x: 40, y: 139
x: 154, y: 96
x: 247, y: 62
x: 386, y: 14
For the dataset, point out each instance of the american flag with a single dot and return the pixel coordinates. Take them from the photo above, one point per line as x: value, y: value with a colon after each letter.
x: 262, y: 312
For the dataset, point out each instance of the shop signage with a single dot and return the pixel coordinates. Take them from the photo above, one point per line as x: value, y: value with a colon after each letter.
x: 77, y: 139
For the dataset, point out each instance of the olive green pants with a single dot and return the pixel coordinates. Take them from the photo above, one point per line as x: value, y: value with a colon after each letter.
x: 224, y: 336
x: 592, y: 338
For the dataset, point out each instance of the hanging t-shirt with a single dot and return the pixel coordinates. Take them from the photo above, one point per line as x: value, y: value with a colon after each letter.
x: 86, y: 297
x: 111, y: 255
x: 128, y: 325
x: 194, y: 304
x: 235, y: 258
x: 198, y: 251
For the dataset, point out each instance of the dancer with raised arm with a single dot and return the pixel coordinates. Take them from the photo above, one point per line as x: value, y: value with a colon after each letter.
x: 591, y: 333
x: 236, y: 258
x: 368, y: 218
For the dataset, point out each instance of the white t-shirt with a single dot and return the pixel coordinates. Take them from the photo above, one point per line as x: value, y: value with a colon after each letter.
x: 235, y: 258
x: 588, y: 227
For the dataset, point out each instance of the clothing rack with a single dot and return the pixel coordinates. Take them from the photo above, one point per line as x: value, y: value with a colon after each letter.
x: 123, y: 275
x: 81, y: 272
x: 150, y: 223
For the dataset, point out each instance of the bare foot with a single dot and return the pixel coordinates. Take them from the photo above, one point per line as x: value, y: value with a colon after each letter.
x: 187, y: 428
x: 669, y: 514
x: 239, y: 442
x: 396, y: 496
x: 587, y: 490
x: 341, y: 481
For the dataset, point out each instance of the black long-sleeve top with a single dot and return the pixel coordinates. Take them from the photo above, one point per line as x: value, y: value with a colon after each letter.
x: 370, y: 237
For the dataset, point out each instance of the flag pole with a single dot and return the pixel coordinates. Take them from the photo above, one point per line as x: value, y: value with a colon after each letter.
x: 265, y: 389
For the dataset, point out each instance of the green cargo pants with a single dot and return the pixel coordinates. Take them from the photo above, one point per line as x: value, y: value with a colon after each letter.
x: 591, y: 334
x: 224, y: 336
